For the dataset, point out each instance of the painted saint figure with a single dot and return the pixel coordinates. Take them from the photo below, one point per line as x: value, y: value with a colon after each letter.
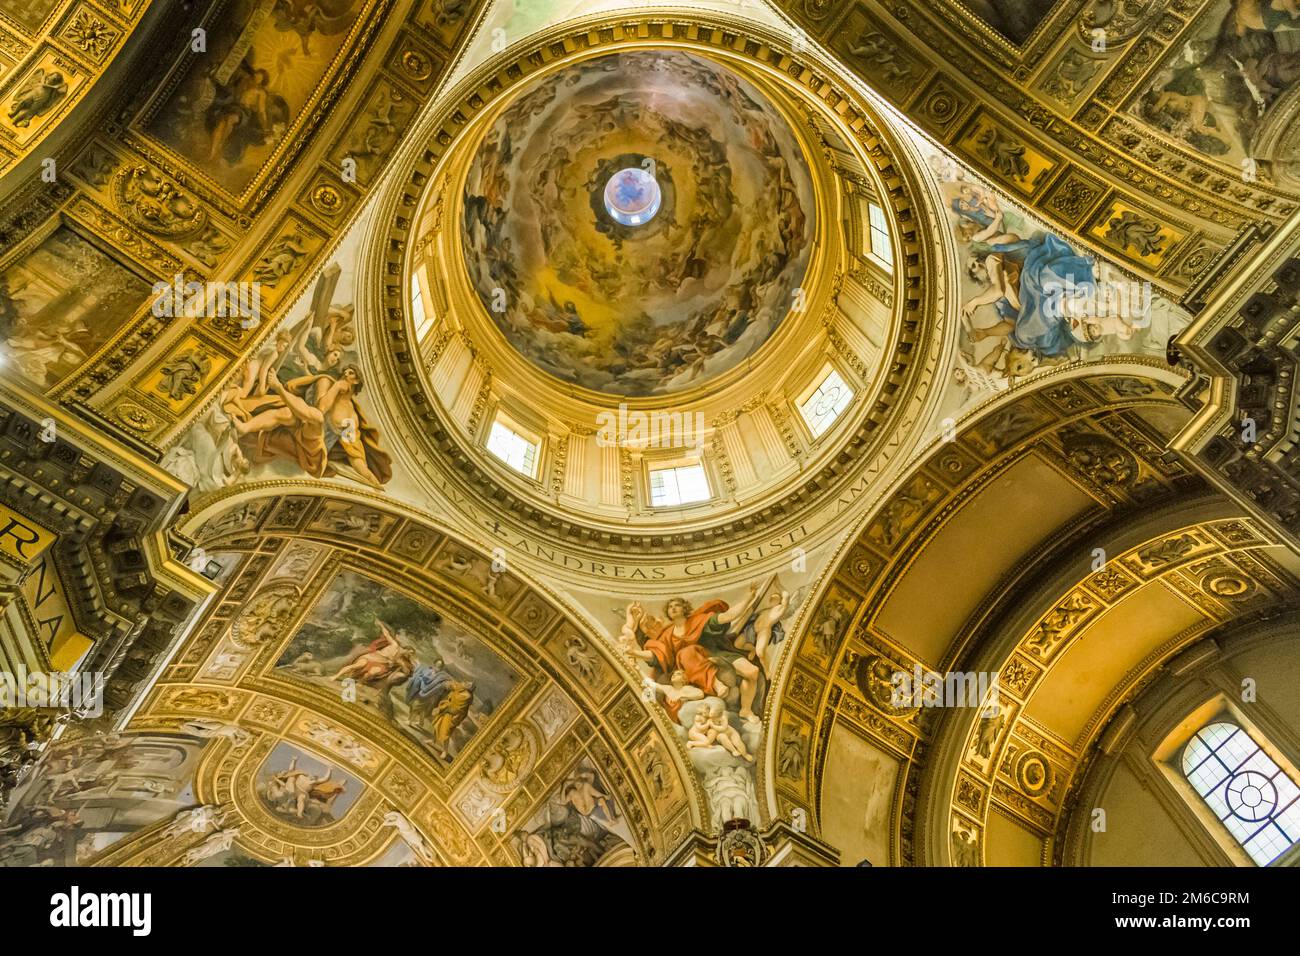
x: 1024, y: 280
x: 696, y: 641
x: 451, y: 712
x: 244, y: 112
x: 314, y: 420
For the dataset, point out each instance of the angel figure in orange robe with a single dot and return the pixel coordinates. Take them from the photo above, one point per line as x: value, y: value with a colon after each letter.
x: 676, y: 644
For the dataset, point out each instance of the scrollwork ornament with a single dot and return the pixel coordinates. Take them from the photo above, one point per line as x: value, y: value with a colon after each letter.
x: 510, y: 759
x: 876, y: 678
x: 1033, y: 774
x: 135, y: 418
x: 266, y: 617
x: 818, y: 9
x: 1103, y: 462
x: 157, y: 206
x: 326, y: 200
x: 1120, y: 20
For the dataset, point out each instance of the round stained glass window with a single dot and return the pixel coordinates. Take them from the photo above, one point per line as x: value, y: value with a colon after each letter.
x: 1251, y: 796
x: 632, y: 196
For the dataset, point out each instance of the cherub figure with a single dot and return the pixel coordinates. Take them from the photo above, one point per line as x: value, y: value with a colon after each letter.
x: 581, y: 792
x: 36, y: 97
x: 725, y: 735
x: 210, y: 727
x: 764, y: 622
x: 218, y: 842
x: 701, y: 733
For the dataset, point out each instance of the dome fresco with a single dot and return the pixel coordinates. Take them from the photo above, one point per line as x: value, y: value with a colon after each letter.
x: 637, y: 224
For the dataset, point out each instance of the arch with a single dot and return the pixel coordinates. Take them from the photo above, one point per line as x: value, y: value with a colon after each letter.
x: 541, y: 717
x: 1137, y: 773
x: 1079, y: 446
x: 1069, y: 647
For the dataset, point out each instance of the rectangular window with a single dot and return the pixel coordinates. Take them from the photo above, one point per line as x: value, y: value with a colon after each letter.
x: 827, y: 401
x: 678, y: 485
x: 517, y: 451
x: 882, y: 247
x: 423, y: 321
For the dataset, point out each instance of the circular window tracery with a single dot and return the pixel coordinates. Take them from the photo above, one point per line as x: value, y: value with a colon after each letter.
x: 1251, y: 796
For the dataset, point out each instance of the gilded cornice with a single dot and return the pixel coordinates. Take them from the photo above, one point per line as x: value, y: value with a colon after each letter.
x: 127, y: 580
x: 1244, y: 438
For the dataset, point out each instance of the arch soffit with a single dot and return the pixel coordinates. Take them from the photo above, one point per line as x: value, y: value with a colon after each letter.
x: 1099, y: 407
x: 574, y: 699
x: 1204, y: 678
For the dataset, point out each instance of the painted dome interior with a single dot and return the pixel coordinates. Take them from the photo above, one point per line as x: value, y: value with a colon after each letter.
x: 638, y: 223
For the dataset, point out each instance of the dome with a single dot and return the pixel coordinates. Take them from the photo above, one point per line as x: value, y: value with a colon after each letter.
x: 647, y: 291
x: 638, y: 223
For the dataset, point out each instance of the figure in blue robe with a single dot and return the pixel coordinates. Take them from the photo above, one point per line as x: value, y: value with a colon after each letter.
x: 426, y: 689
x: 1044, y: 269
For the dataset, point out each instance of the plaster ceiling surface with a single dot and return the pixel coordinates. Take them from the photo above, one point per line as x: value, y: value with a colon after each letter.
x: 684, y: 287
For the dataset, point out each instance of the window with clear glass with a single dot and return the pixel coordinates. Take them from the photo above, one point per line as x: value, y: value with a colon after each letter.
x: 882, y: 246
x: 826, y: 403
x: 678, y: 485
x: 423, y: 321
x: 516, y: 450
x: 1244, y: 787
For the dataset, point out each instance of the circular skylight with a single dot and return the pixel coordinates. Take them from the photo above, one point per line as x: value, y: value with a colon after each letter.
x: 632, y: 196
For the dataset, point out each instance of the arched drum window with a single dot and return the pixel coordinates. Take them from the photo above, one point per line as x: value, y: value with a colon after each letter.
x: 1244, y: 787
